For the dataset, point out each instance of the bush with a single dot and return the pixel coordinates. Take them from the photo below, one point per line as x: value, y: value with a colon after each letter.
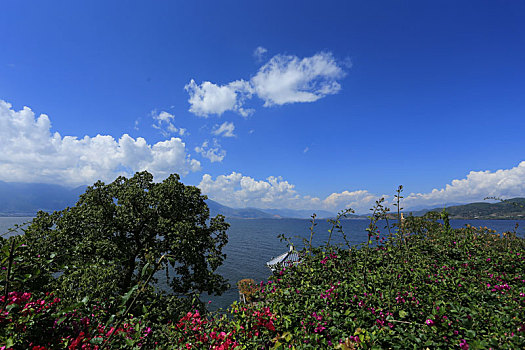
x: 248, y: 288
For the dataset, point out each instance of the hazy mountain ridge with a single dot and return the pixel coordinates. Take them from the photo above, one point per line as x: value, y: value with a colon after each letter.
x: 257, y: 213
x: 509, y: 209
x: 26, y: 199
x: 246, y: 213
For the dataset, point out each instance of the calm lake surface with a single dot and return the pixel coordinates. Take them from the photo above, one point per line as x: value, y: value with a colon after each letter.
x: 253, y: 242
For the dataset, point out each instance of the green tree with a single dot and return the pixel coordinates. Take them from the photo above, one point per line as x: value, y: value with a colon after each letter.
x: 99, y: 247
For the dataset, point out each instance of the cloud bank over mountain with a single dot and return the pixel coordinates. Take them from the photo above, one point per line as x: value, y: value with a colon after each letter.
x: 30, y: 152
x: 503, y: 183
x: 238, y: 190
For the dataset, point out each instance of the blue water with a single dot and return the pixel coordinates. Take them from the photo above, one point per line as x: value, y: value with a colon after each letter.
x: 254, y: 242
x: 7, y: 225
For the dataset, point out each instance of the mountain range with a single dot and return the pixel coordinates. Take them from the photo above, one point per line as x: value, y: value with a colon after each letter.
x: 25, y: 199
x: 257, y: 213
x: 509, y: 209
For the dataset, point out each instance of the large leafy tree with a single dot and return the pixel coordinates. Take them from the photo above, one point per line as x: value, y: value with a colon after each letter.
x: 100, y: 246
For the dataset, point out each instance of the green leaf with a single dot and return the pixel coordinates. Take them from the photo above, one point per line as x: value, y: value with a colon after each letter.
x: 145, y: 269
x: 110, y: 320
x: 96, y: 340
x: 277, y: 345
x: 126, y: 296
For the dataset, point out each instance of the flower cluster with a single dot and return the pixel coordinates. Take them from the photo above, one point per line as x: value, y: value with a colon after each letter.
x: 196, y: 332
x: 37, y: 323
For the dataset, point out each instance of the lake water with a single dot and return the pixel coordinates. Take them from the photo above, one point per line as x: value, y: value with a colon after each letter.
x: 254, y: 242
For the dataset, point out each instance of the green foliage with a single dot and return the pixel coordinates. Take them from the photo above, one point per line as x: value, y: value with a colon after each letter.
x: 426, y: 286
x: 438, y: 288
x: 99, y: 247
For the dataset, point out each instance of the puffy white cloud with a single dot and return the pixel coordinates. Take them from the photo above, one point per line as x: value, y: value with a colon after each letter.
x: 360, y: 200
x: 477, y: 185
x: 164, y: 123
x: 289, y: 79
x: 503, y: 183
x: 225, y: 129
x: 237, y: 190
x: 259, y: 52
x: 283, y: 79
x: 29, y: 152
x: 214, y: 154
x: 209, y: 98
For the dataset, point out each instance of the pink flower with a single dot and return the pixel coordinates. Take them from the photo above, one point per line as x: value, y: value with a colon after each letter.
x: 463, y: 344
x: 429, y: 322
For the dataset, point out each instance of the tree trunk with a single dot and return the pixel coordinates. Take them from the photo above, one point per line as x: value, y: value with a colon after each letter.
x: 129, y: 269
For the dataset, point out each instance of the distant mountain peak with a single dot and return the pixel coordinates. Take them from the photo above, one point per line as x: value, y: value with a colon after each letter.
x: 258, y: 213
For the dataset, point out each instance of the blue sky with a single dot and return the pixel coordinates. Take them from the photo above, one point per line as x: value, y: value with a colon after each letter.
x: 269, y: 104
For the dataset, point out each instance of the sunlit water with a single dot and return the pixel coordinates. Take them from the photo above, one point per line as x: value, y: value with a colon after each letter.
x: 254, y: 242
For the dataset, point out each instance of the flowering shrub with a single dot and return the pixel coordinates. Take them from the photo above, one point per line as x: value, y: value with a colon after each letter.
x: 38, y: 323
x: 444, y: 289
x: 426, y: 286
x: 194, y: 331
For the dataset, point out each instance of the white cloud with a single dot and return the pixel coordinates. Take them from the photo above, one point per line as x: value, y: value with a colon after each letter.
x: 164, y: 123
x: 29, y: 152
x: 503, y: 183
x: 289, y: 79
x: 283, y: 79
x: 225, y: 129
x: 214, y: 154
x: 259, y: 52
x: 237, y: 190
x: 360, y: 200
x: 209, y: 98
x: 306, y: 149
